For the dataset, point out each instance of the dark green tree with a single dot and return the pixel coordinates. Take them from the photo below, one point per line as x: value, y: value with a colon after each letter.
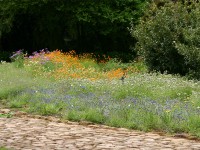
x: 87, y: 25
x: 168, y: 38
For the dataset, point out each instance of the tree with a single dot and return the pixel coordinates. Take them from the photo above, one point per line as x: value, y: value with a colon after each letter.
x: 83, y: 25
x: 168, y: 38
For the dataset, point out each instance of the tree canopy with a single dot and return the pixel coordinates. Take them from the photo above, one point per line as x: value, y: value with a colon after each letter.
x: 168, y: 38
x: 88, y: 25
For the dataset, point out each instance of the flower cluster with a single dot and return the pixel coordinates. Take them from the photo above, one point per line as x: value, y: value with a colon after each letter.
x: 18, y: 58
x: 70, y: 65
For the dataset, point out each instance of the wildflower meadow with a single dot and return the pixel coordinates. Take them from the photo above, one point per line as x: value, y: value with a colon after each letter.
x: 100, y: 89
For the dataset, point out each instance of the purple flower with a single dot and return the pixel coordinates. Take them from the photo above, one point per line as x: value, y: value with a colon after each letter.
x: 17, y: 54
x: 30, y: 57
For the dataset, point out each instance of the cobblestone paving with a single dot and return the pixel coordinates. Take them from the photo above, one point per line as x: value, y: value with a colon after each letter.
x: 37, y: 133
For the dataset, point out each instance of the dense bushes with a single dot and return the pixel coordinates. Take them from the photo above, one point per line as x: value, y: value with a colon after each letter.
x: 169, y: 38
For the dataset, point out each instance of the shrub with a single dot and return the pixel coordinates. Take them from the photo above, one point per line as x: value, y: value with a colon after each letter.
x: 189, y: 46
x: 168, y: 37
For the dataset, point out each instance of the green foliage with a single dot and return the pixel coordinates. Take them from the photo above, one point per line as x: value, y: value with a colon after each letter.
x: 90, y: 63
x: 11, y: 81
x: 48, y: 66
x: 45, y: 109
x: 3, y: 148
x: 9, y: 115
x: 189, y: 45
x: 14, y: 80
x: 112, y: 64
x: 73, y: 116
x: 82, y: 25
x: 144, y: 101
x: 168, y: 37
x: 18, y: 59
x: 4, y: 56
x: 194, y: 125
x: 94, y: 115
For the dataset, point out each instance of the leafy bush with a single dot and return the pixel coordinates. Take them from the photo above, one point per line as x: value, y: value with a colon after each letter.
x: 189, y: 46
x: 168, y: 37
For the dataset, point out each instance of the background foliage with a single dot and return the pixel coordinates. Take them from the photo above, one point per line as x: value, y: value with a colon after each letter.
x: 168, y: 37
x: 87, y: 26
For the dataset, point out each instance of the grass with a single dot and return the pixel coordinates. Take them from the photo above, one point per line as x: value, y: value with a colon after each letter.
x: 3, y: 148
x: 78, y: 88
x: 5, y: 115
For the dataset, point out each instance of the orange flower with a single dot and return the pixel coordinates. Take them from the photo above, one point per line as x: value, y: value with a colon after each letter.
x: 70, y: 65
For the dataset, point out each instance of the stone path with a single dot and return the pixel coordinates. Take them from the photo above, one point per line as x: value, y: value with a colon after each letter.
x: 25, y: 132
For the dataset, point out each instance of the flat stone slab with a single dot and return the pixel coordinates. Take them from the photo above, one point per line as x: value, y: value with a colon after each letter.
x: 21, y: 133
x: 4, y: 111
